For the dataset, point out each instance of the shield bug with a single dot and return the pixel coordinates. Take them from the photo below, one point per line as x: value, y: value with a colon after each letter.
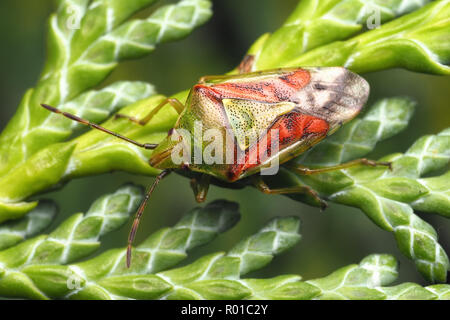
x: 255, y: 118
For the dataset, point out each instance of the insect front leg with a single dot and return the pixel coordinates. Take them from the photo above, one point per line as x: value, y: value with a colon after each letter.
x: 175, y: 103
x: 354, y: 163
x: 259, y: 183
x: 200, y: 186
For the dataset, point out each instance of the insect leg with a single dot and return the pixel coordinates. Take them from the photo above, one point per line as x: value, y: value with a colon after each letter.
x: 205, y: 79
x: 244, y: 67
x: 96, y: 126
x: 200, y: 187
x: 259, y: 183
x: 355, y: 163
x: 210, y: 78
x: 139, y: 213
x: 246, y: 64
x: 175, y: 103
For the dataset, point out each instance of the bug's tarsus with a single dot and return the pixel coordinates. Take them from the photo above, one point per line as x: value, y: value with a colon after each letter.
x: 387, y: 164
x: 149, y: 146
x: 139, y: 213
x: 323, y: 205
x: 373, y: 163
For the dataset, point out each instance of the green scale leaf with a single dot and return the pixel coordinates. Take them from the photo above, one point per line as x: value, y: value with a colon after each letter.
x: 74, y: 239
x: 86, y: 42
x: 217, y: 275
x: 36, y: 221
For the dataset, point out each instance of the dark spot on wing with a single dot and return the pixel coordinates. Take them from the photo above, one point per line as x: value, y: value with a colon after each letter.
x: 311, y: 99
x: 329, y: 105
x: 287, y: 79
x: 319, y: 86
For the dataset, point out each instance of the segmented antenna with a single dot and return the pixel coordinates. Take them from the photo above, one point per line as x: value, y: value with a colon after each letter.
x: 96, y: 126
x: 139, y: 213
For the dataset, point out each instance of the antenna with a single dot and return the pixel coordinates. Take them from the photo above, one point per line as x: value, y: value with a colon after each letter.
x: 73, y: 117
x: 139, y: 213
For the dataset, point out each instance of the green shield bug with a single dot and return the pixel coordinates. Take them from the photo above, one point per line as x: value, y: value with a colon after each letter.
x: 233, y: 129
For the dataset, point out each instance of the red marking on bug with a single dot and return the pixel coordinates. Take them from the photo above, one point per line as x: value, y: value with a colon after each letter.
x: 297, y: 79
x: 291, y: 128
x: 208, y: 91
x: 272, y: 90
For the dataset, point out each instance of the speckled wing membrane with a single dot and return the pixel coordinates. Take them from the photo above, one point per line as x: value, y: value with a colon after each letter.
x: 333, y: 94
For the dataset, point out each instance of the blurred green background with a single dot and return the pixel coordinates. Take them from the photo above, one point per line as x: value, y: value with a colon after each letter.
x: 337, y: 237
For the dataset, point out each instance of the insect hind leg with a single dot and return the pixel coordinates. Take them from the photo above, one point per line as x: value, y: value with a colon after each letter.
x: 354, y: 163
x: 96, y: 126
x: 246, y: 64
